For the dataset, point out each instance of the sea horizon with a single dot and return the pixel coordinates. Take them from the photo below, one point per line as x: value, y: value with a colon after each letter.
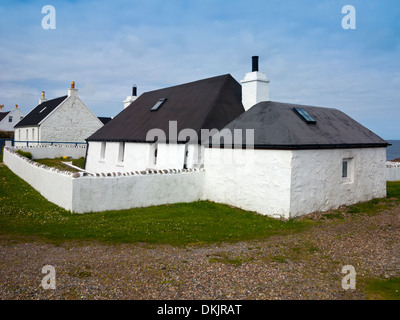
x: 393, y: 151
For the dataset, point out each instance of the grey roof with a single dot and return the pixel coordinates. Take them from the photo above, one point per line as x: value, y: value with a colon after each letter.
x: 204, y: 104
x: 40, y: 112
x: 277, y: 126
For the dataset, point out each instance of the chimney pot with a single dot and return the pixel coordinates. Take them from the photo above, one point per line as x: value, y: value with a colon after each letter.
x: 43, y: 95
x: 16, y: 106
x: 134, y: 91
x: 254, y: 63
x: 72, y: 84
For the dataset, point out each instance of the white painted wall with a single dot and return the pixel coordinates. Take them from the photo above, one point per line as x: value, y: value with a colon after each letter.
x: 56, y: 151
x: 54, y: 185
x: 317, y: 183
x: 124, y: 192
x: 71, y: 121
x: 16, y: 115
x: 140, y: 156
x: 392, y: 171
x: 255, y: 89
x: 255, y: 180
x: 84, y: 193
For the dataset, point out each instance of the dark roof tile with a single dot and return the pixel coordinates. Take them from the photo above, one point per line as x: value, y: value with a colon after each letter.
x: 40, y: 112
x: 205, y: 104
x: 277, y: 125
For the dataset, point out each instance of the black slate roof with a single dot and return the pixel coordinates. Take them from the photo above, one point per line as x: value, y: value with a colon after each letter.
x: 40, y: 112
x: 277, y: 126
x: 205, y: 104
x: 3, y: 115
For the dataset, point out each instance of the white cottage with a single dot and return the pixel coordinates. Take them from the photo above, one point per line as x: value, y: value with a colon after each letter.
x: 63, y: 119
x: 131, y: 141
x: 10, y: 118
x: 300, y: 159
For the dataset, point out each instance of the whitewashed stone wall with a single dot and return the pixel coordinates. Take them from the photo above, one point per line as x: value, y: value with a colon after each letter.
x: 82, y: 192
x: 255, y: 180
x: 317, y: 183
x: 6, y: 125
x: 139, y: 156
x: 392, y: 171
x: 72, y: 121
x: 56, y: 151
x: 53, y: 184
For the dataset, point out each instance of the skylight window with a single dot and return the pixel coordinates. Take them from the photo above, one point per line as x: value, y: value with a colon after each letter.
x: 42, y: 110
x: 158, y: 104
x: 304, y: 115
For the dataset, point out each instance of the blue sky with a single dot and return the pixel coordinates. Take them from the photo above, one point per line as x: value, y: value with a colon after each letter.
x: 107, y: 46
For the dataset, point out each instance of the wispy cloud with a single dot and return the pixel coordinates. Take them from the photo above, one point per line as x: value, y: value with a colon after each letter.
x: 106, y: 46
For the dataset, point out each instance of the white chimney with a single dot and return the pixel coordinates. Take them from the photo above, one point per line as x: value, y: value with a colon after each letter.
x: 42, y: 99
x: 254, y: 86
x: 72, y: 91
x: 130, y: 99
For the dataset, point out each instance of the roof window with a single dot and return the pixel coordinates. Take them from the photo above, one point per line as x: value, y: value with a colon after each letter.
x: 304, y: 115
x: 158, y: 104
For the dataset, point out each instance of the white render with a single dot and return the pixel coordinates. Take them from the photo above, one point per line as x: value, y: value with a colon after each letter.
x: 16, y: 115
x: 87, y: 193
x: 71, y: 121
x: 140, y: 156
x: 254, y: 89
x: 317, y: 184
x: 129, y: 100
x: 392, y: 171
x: 277, y: 183
x: 255, y: 180
x: 288, y: 183
x: 55, y: 151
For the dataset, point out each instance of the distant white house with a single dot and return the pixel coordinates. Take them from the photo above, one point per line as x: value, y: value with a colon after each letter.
x: 63, y: 119
x: 10, y: 118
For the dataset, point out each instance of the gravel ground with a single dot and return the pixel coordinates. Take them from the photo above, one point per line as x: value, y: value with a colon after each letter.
x: 305, y: 265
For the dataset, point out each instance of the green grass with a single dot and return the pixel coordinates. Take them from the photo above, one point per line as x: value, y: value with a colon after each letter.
x: 25, y: 154
x: 23, y: 211
x: 57, y: 163
x: 383, y: 289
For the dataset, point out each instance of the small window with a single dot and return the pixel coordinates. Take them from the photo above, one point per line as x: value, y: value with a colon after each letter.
x: 121, y: 153
x: 347, y: 170
x: 103, y: 151
x: 345, y: 167
x: 158, y: 104
x: 305, y: 116
x: 10, y: 119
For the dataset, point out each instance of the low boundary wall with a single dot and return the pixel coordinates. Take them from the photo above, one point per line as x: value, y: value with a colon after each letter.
x: 56, y: 151
x: 392, y: 171
x: 84, y: 192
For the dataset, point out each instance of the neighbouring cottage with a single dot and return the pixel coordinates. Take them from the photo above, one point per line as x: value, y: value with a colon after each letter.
x: 300, y: 159
x: 63, y: 119
x: 10, y: 118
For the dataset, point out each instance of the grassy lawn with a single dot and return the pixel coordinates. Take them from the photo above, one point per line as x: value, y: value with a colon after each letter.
x: 56, y: 163
x: 23, y: 211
